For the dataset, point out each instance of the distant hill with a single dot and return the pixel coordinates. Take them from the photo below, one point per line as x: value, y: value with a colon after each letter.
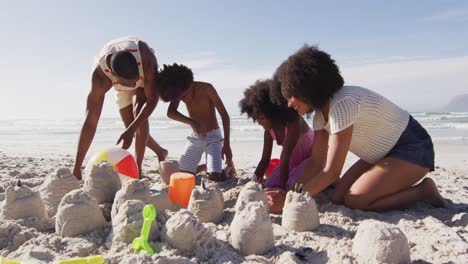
x: 457, y: 104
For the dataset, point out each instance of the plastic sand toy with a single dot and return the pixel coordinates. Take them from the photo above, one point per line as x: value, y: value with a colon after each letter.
x: 180, y: 187
x: 97, y: 259
x: 7, y: 261
x: 141, y: 243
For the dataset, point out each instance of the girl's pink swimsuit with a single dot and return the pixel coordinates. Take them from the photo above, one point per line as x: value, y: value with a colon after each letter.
x: 299, y: 156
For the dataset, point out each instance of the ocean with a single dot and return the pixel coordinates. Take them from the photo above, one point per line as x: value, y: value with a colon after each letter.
x: 60, y: 136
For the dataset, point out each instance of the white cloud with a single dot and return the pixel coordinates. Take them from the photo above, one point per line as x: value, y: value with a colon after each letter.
x: 415, y: 85
x: 458, y: 14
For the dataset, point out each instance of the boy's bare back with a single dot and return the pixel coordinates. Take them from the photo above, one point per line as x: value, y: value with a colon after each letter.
x: 201, y: 104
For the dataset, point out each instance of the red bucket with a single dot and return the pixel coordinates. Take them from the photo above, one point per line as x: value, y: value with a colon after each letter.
x: 272, y: 166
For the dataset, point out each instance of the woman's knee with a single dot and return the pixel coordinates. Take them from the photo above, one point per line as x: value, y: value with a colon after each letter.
x: 357, y: 201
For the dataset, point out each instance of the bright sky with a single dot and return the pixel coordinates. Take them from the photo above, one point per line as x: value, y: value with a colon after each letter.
x: 413, y: 52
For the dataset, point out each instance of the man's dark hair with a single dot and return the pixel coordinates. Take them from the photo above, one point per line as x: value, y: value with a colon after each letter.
x: 310, y: 75
x: 174, y: 80
x: 259, y: 99
x: 124, y: 65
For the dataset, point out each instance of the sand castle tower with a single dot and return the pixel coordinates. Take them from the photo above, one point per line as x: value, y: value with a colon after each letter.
x: 207, y: 204
x: 102, y: 182
x: 167, y: 168
x: 252, y: 230
x: 55, y: 187
x: 300, y: 211
x: 379, y: 242
x: 139, y: 190
x: 21, y: 203
x: 252, y: 192
x: 78, y: 213
x: 126, y: 225
x: 184, y: 232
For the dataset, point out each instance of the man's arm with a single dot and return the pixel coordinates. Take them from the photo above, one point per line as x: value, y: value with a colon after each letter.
x: 99, y: 86
x: 218, y: 104
x: 150, y: 68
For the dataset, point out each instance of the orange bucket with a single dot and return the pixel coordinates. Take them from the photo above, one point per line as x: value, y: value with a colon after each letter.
x: 180, y: 187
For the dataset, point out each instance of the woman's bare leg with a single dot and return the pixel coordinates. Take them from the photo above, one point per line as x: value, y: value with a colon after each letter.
x: 389, y: 185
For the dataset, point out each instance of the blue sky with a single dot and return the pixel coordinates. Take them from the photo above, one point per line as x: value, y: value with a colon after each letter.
x: 413, y: 52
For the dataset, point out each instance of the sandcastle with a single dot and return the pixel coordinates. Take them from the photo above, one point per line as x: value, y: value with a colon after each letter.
x: 21, y: 203
x: 252, y: 192
x: 207, y: 204
x: 379, y: 242
x: 167, y: 168
x: 184, y: 232
x: 77, y: 214
x: 139, y: 190
x: 126, y: 225
x: 55, y: 186
x: 102, y: 182
x: 300, y: 211
x: 252, y: 230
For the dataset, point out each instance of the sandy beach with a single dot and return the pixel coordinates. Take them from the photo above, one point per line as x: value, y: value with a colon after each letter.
x: 434, y: 235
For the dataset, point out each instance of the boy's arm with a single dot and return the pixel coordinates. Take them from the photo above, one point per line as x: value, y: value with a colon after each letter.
x: 266, y: 156
x: 226, y: 123
x: 172, y: 113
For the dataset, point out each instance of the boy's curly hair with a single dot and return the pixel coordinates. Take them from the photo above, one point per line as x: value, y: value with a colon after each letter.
x: 174, y: 80
x: 310, y: 75
x: 258, y: 99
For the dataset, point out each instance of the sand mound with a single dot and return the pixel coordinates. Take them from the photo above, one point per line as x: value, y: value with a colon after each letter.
x: 102, y: 182
x: 160, y: 199
x: 379, y: 242
x: 126, y: 225
x: 252, y: 192
x: 77, y: 214
x: 21, y: 203
x: 300, y: 212
x: 252, y: 230
x: 166, y: 168
x: 184, y: 232
x: 139, y: 190
x: 13, y: 235
x: 55, y: 187
x: 207, y: 204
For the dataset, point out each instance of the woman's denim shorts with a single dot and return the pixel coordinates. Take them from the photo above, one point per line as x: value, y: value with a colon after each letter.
x: 414, y: 145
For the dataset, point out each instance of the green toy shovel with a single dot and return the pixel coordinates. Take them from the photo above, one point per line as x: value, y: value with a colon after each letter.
x: 141, y: 243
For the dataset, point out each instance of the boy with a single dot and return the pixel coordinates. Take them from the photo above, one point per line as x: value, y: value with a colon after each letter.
x: 202, y: 101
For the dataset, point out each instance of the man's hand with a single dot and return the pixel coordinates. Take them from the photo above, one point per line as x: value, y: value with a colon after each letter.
x: 226, y: 153
x: 275, y: 199
x: 198, y: 129
x: 126, y: 139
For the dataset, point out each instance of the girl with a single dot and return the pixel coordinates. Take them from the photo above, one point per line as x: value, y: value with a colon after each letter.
x: 264, y: 103
x: 395, y: 151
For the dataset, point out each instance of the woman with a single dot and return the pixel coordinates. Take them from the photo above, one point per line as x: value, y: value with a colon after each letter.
x: 395, y: 151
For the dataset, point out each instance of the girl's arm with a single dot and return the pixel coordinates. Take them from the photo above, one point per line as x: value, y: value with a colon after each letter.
x: 294, y: 132
x: 266, y: 155
x: 336, y: 156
